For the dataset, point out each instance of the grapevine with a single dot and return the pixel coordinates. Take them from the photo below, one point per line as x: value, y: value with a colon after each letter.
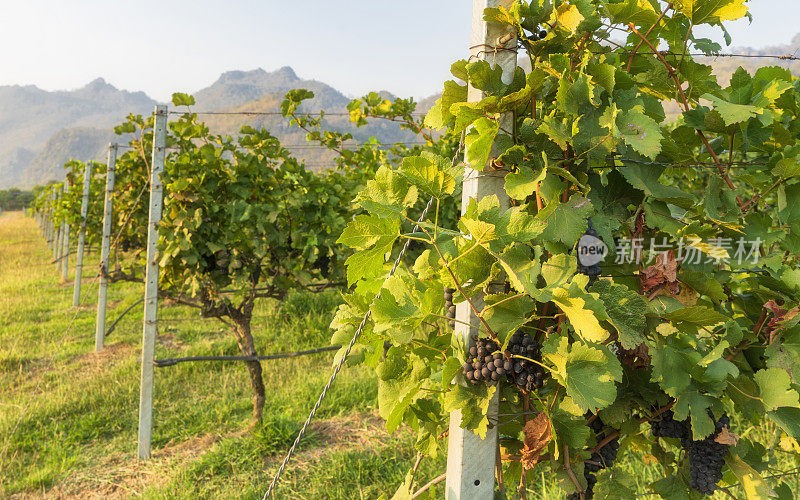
x: 693, y: 307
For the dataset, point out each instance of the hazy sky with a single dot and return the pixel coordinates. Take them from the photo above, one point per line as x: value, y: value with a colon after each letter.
x: 164, y: 46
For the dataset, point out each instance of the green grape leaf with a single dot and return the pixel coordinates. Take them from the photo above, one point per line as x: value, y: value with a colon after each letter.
x: 569, y: 429
x: 479, y: 141
x: 429, y: 173
x: 572, y: 96
x: 732, y: 113
x: 671, y: 368
x: 646, y: 178
x: 523, y: 269
x: 640, y: 12
x: 486, y: 77
x: 788, y: 419
x: 524, y: 182
x: 640, y: 131
x: 366, y: 230
x: 559, y: 269
x: 558, y: 130
x: 775, y: 389
x: 583, y: 309
x: 440, y: 115
x: 626, y: 311
x: 588, y: 373
x: 698, y: 315
x: 368, y: 263
x: 787, y: 168
x: 566, y: 222
x: 505, y: 314
x: 697, y: 404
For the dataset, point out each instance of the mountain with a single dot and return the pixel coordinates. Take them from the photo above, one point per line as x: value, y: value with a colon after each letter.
x: 12, y: 165
x: 40, y: 130
x: 30, y: 117
x: 233, y: 87
x: 84, y: 143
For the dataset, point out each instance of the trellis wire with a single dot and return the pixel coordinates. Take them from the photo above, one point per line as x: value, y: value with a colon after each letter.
x: 352, y: 343
x: 163, y: 363
x: 265, y: 113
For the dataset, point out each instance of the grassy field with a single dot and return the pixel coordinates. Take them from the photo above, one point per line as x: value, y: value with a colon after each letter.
x: 68, y: 416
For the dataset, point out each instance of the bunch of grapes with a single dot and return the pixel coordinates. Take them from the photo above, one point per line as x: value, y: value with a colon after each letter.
x: 594, y: 270
x: 526, y: 374
x: 668, y: 427
x: 537, y: 35
x: 485, y: 362
x: 706, y: 457
x: 450, y: 308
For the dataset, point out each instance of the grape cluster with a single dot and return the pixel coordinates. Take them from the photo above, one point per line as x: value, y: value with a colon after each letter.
x: 485, y: 362
x: 706, y: 457
x: 450, y: 308
x: 526, y: 374
x: 592, y: 271
x: 601, y: 459
x: 668, y: 427
x: 537, y: 35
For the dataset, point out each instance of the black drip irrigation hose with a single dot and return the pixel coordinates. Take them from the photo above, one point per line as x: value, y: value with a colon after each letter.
x: 114, y: 324
x: 161, y: 363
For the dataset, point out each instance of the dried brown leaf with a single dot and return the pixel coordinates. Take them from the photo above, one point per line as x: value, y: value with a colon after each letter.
x: 661, y: 277
x: 726, y: 437
x: 537, y: 436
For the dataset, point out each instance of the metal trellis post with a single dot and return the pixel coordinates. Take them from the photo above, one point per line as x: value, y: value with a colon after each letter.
x: 151, y: 284
x: 87, y: 182
x: 470, y: 459
x: 105, y: 251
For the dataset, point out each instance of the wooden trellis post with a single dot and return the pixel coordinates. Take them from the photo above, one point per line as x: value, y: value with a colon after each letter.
x: 105, y: 250
x: 470, y: 459
x: 151, y: 284
x: 87, y: 182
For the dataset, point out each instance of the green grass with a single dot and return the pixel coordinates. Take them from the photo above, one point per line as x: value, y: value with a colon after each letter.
x: 68, y: 416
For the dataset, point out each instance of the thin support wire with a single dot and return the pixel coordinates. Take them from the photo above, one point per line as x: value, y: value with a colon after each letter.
x: 262, y: 113
x: 161, y: 363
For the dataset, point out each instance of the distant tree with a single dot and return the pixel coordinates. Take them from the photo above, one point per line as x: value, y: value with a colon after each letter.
x: 15, y: 199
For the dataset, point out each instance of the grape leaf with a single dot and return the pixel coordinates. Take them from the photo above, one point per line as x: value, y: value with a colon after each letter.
x: 584, y: 310
x: 366, y: 230
x: 479, y: 142
x: 626, y: 311
x: 640, y: 131
x: 572, y: 96
x: 732, y: 113
x: 775, y: 389
x: 588, y: 374
x: 566, y: 222
x: 429, y: 173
